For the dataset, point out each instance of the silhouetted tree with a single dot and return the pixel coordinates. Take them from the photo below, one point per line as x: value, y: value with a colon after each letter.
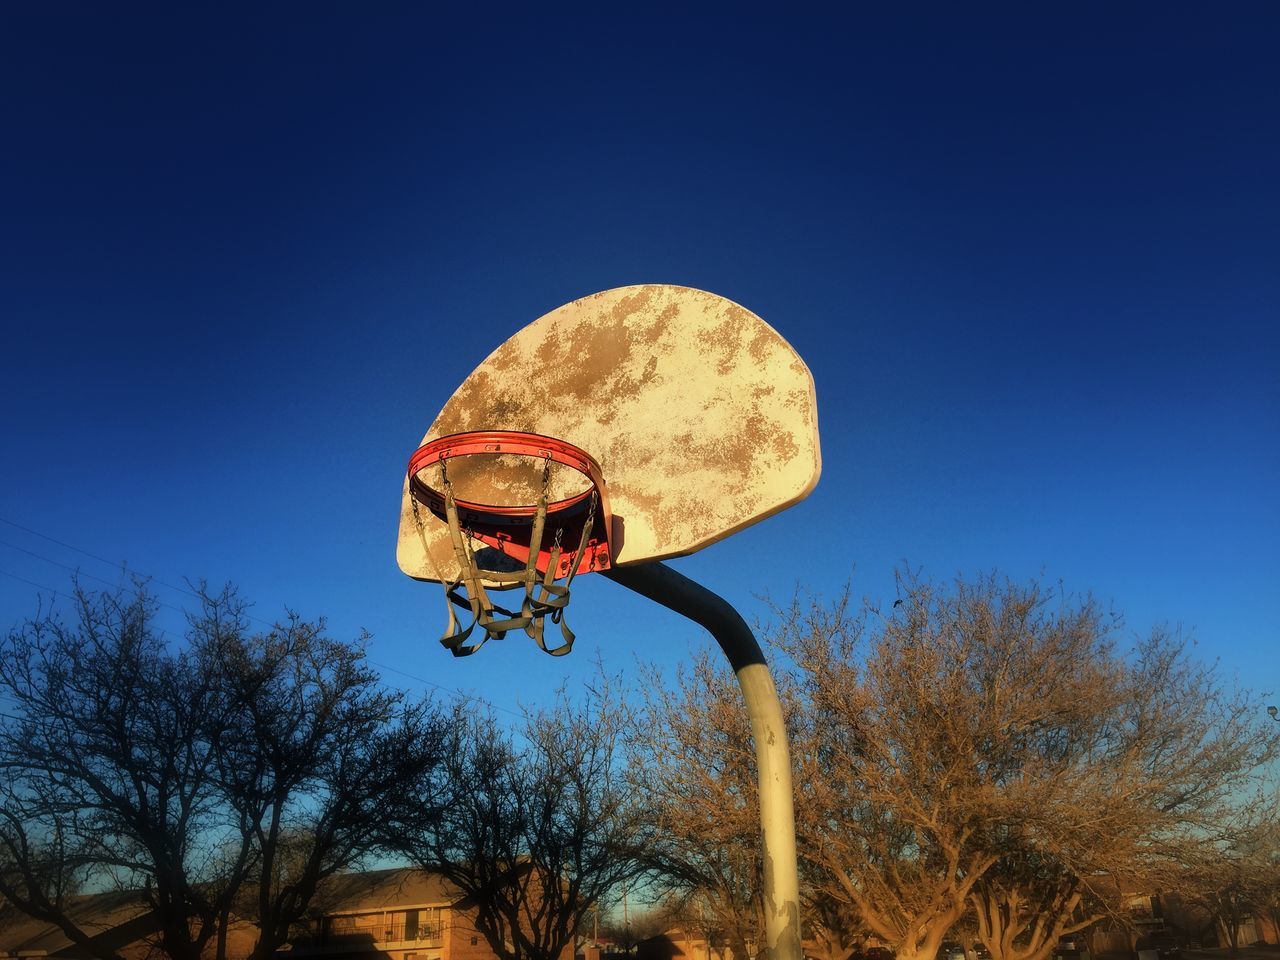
x: 629, y: 931
x: 312, y: 758
x: 537, y: 828
x: 111, y: 773
x: 231, y: 775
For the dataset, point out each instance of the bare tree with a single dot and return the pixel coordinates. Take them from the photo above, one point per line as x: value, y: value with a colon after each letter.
x: 692, y: 764
x: 230, y: 777
x: 1026, y: 903
x: 1184, y: 912
x: 690, y: 911
x: 1139, y: 775
x: 1267, y: 898
x: 629, y: 931
x: 314, y: 756
x: 888, y: 806
x: 537, y: 828
x: 987, y: 746
x: 111, y: 772
x: 1234, y: 872
x: 832, y: 927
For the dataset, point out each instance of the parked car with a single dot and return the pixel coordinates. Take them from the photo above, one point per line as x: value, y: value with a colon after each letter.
x: 980, y: 950
x: 951, y: 951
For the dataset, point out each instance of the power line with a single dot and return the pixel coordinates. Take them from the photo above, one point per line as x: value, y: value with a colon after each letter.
x: 186, y: 590
x: 30, y: 583
x: 382, y: 666
x: 113, y: 563
x: 75, y: 570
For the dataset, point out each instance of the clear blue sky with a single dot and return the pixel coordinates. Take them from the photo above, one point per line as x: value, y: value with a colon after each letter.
x: 1030, y: 253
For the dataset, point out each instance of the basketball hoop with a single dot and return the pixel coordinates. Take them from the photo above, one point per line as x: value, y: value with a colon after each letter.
x: 657, y: 380
x: 516, y: 532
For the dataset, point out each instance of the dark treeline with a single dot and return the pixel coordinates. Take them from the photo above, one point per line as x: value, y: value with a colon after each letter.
x: 984, y: 761
x: 225, y: 778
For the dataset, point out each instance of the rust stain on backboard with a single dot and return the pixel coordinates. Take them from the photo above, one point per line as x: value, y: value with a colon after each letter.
x: 701, y: 416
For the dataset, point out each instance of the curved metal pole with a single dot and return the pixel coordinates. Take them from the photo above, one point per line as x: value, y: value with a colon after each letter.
x: 660, y: 583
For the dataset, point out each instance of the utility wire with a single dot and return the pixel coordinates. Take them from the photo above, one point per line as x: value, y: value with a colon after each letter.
x: 187, y: 590
x: 54, y: 591
x: 112, y: 563
x: 75, y: 570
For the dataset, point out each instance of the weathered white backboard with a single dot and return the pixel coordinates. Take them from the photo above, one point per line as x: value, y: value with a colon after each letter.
x: 702, y: 417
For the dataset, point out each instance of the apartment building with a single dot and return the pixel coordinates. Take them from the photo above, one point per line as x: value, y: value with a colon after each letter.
x: 397, y: 914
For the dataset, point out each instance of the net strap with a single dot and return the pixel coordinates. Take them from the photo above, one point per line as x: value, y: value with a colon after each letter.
x: 555, y: 596
x: 543, y: 597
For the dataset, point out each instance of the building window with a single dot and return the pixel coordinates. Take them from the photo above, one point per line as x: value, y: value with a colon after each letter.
x: 340, y: 926
x: 429, y: 923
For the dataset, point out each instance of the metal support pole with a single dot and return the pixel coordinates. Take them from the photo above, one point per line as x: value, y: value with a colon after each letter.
x: 661, y: 584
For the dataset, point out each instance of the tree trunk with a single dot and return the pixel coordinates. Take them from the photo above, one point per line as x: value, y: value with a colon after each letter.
x: 175, y: 941
x: 223, y: 919
x: 927, y: 947
x: 1231, y: 928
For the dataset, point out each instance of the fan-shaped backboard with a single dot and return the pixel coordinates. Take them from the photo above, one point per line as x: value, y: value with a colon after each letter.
x: 702, y: 417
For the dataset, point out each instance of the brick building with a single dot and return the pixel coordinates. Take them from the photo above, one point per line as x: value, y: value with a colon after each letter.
x: 399, y: 914
x: 119, y: 920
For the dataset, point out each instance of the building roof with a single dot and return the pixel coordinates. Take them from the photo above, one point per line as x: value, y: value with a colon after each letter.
x: 109, y: 914
x: 382, y: 889
x: 124, y: 916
